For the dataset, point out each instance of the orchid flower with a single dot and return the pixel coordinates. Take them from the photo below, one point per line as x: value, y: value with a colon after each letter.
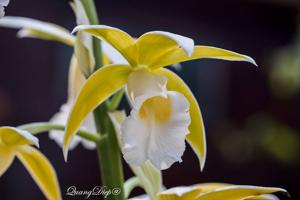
x: 18, y: 143
x: 218, y: 191
x: 164, y: 108
x: 3, y: 3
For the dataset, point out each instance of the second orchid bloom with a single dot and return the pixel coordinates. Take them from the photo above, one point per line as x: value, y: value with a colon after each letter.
x: 164, y: 110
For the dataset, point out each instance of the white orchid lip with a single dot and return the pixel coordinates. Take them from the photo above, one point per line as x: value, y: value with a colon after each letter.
x: 158, y: 123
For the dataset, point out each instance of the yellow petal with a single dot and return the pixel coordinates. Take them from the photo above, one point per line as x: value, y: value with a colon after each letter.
x: 196, y: 137
x: 11, y: 136
x: 6, y: 157
x: 178, y: 55
x: 180, y: 193
x: 237, y: 192
x: 38, y: 29
x: 154, y: 45
x: 262, y: 197
x: 41, y: 171
x: 117, y: 38
x: 98, y: 87
x: 206, y: 187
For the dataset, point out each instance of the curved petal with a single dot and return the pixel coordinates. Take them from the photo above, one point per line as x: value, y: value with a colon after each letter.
x: 238, y: 192
x: 11, y: 136
x: 152, y: 133
x: 178, y: 55
x: 41, y: 171
x: 206, y: 187
x: 143, y: 85
x: 98, y: 87
x: 134, y: 139
x: 7, y: 155
x: 167, y: 140
x: 38, y: 29
x: 117, y: 38
x: 180, y: 193
x: 134, y: 131
x: 196, y: 138
x: 152, y: 46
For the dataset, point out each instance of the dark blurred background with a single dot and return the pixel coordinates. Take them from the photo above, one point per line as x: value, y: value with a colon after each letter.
x: 252, y: 115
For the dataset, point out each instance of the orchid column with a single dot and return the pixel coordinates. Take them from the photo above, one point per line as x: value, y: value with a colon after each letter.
x: 108, y: 149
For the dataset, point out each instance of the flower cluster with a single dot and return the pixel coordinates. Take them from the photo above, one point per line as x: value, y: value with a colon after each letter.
x: 164, y: 112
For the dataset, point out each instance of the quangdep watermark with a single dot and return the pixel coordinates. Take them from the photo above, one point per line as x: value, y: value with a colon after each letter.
x: 95, y: 191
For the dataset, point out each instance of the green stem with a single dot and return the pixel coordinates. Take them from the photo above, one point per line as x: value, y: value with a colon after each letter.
x: 115, y: 101
x: 90, y: 9
x: 40, y: 127
x: 108, y: 149
x: 109, y: 154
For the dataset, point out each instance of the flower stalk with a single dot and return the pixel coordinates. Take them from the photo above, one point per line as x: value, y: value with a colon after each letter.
x: 40, y: 127
x: 90, y: 9
x: 108, y: 150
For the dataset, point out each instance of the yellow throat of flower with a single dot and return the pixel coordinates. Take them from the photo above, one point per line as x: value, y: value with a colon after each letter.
x: 157, y: 108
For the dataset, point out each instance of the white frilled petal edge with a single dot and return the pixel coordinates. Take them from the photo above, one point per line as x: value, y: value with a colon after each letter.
x: 158, y: 123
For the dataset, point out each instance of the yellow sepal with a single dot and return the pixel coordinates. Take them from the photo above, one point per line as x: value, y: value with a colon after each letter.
x: 41, y: 171
x: 153, y: 46
x: 7, y: 155
x: 117, y: 38
x: 196, y: 137
x: 178, y: 55
x: 238, y: 192
x: 98, y: 87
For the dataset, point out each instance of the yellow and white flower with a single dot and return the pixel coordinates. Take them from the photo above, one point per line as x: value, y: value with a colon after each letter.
x: 153, y: 91
x: 158, y: 124
x: 18, y: 143
x: 3, y: 3
x: 217, y: 191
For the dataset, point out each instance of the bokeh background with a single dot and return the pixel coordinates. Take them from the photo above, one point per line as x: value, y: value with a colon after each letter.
x: 252, y: 115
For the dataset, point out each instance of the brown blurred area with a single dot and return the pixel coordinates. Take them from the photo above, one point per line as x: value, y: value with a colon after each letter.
x: 252, y: 125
